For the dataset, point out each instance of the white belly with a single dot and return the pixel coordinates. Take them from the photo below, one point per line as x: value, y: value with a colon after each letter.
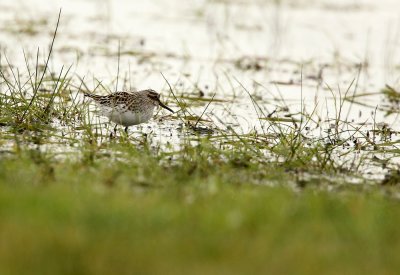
x: 127, y: 118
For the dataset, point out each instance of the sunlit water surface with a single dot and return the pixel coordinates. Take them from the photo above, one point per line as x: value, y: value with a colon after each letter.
x: 288, y: 57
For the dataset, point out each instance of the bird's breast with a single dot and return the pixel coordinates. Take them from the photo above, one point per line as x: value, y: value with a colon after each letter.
x: 120, y: 114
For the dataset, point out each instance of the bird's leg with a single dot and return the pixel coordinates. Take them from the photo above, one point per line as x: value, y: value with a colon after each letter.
x: 126, y: 129
x: 115, y: 132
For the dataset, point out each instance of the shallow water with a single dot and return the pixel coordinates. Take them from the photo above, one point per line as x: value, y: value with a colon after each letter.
x: 290, y: 56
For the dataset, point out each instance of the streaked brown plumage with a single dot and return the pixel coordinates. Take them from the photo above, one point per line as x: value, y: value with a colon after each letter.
x: 129, y: 108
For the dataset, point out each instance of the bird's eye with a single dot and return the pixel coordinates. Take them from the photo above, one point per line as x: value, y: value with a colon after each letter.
x: 154, y: 96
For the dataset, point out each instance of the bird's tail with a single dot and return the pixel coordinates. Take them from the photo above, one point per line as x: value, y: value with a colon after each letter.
x: 93, y: 96
x: 86, y: 93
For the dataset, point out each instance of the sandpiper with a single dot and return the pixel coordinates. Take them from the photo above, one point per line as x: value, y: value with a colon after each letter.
x: 128, y: 108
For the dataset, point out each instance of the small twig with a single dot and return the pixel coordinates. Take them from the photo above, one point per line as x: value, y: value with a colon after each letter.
x: 119, y: 55
x: 170, y: 88
x: 172, y: 92
x: 205, y: 109
x: 36, y: 88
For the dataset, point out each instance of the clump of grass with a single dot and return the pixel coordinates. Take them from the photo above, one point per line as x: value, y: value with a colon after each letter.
x: 23, y: 103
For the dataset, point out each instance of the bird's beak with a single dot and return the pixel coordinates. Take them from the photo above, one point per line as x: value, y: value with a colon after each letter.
x: 165, y: 106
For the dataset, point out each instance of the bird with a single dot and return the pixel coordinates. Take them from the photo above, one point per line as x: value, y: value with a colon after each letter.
x: 128, y: 108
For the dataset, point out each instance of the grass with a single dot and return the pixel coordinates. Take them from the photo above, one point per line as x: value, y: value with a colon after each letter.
x: 272, y: 200
x: 142, y: 217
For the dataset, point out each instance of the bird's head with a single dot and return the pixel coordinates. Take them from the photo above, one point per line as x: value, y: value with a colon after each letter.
x: 155, y: 98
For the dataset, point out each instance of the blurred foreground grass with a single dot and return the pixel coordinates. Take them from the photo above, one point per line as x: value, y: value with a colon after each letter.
x: 70, y: 217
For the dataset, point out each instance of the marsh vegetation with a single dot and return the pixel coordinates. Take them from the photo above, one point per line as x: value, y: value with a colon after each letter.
x: 283, y: 149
